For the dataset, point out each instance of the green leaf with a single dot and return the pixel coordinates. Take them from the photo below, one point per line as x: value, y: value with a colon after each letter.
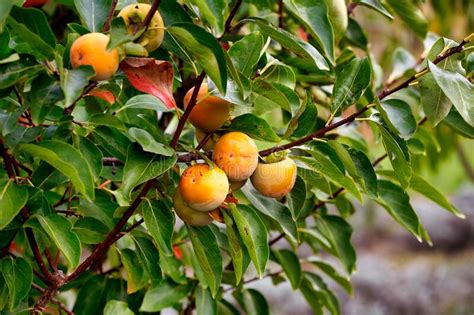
x: 59, y: 229
x: 92, y: 295
x: 458, y: 89
x: 403, y: 64
x: 255, y: 127
x: 377, y: 6
x: 90, y: 230
x: 253, y: 302
x: 319, y: 294
x: 411, y: 15
x: 146, y: 101
x: 13, y: 72
x: 93, y: 13
x: 208, y: 254
x: 421, y: 185
x: 398, y: 116
x: 343, y: 281
x: 291, y: 42
x: 212, y: 12
x: 134, y: 269
x: 114, y: 307
x: 18, y: 276
x: 66, y: 159
x: 356, y: 36
x: 267, y: 97
x: 344, y: 156
x: 148, y: 143
x: 246, y: 52
x: 28, y: 42
x: 205, y: 304
x: 142, y: 166
x: 321, y: 164
x: 291, y: 265
x: 397, y: 204
x: 74, y: 81
x: 455, y: 121
x: 93, y: 156
x: 12, y: 199
x: 236, y: 247
x: 164, y: 295
x: 46, y: 93
x: 436, y: 104
x: 338, y: 232
x: 296, y: 198
x: 398, y: 156
x: 205, y: 49
x: 5, y: 7
x: 365, y: 170
x: 281, y: 74
x: 314, y: 15
x: 149, y: 258
x: 273, y: 209
x: 254, y: 235
x: 35, y: 21
x: 102, y: 208
x: 114, y: 142
x: 119, y: 33
x: 159, y: 220
x: 351, y: 83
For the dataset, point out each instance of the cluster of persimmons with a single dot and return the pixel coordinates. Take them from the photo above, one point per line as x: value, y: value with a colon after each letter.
x: 203, y: 187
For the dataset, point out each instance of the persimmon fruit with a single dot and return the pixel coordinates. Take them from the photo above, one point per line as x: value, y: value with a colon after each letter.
x: 134, y: 15
x: 91, y: 49
x: 237, y: 155
x: 203, y: 187
x: 275, y: 180
x: 187, y: 214
x: 210, y: 112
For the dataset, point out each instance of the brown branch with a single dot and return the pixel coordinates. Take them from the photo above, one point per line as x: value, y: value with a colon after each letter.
x: 203, y: 141
x: 281, y: 23
x: 350, y: 7
x: 102, y: 248
x: 110, y: 16
x: 188, y: 110
x: 228, y: 22
x: 55, y: 301
x: 149, y: 16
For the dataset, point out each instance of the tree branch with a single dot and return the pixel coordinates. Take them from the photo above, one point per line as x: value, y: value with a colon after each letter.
x: 228, y: 22
x: 102, y: 248
x: 149, y: 16
x: 188, y: 110
x: 110, y: 16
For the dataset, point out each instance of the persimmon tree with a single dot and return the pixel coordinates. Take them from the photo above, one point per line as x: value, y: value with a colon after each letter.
x: 91, y: 195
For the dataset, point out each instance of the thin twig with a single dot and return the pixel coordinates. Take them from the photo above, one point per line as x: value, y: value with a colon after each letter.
x: 68, y: 110
x: 149, y: 16
x: 110, y: 16
x: 228, y: 22
x: 188, y: 110
x: 203, y: 141
x: 54, y: 300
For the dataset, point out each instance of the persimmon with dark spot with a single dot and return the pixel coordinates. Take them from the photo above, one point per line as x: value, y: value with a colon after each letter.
x: 237, y: 155
x: 203, y: 187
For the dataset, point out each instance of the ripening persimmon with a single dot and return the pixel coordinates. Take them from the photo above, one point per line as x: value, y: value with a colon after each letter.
x: 237, y: 155
x: 188, y: 214
x: 134, y: 15
x: 210, y: 112
x: 275, y: 180
x: 203, y: 187
x: 91, y: 49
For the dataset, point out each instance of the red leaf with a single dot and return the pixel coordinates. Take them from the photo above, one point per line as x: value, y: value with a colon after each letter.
x: 104, y: 94
x: 151, y: 76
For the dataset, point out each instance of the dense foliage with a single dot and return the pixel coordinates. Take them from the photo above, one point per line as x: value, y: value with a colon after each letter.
x: 91, y: 161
